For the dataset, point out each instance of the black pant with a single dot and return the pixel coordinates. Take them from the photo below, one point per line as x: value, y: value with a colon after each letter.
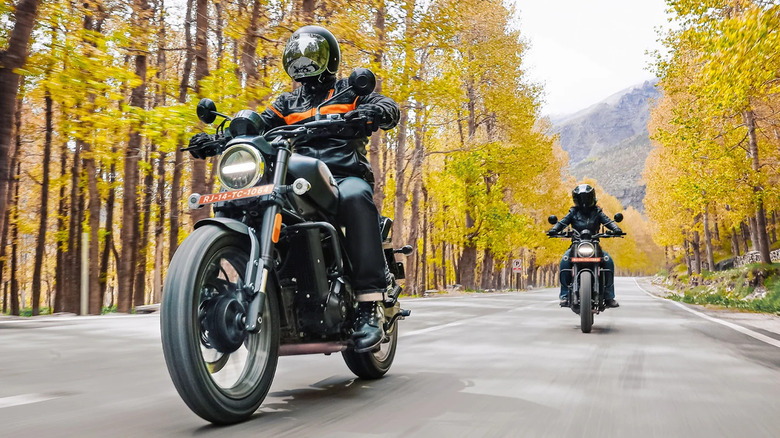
x: 360, y: 218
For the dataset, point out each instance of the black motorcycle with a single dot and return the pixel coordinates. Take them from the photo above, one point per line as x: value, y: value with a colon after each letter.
x: 589, y: 279
x: 268, y: 276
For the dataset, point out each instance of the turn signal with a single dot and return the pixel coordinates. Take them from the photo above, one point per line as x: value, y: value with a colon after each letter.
x: 277, y: 228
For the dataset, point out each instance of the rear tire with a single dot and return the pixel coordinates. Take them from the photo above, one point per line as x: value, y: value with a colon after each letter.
x: 220, y: 388
x: 374, y: 365
x: 586, y: 303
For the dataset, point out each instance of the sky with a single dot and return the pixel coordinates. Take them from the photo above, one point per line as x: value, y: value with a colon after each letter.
x: 583, y: 51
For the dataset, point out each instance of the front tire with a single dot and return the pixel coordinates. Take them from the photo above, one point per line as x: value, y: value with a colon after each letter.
x: 586, y: 302
x: 373, y: 365
x: 222, y: 388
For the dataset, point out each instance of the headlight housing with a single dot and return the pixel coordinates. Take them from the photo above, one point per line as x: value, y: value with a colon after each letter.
x: 240, y: 166
x: 585, y: 249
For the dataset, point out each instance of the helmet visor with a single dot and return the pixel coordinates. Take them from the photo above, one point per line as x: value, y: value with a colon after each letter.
x: 306, y: 55
x: 584, y: 196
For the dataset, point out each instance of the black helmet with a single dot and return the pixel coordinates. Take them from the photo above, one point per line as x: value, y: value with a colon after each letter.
x: 312, y: 51
x: 584, y: 196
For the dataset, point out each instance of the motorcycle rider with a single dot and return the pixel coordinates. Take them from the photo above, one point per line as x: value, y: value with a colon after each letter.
x: 585, y: 215
x: 311, y: 57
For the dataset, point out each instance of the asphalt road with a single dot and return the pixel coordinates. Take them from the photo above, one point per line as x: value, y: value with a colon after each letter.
x: 488, y: 365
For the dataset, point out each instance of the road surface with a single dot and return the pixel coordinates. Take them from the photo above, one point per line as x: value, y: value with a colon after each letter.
x: 481, y: 365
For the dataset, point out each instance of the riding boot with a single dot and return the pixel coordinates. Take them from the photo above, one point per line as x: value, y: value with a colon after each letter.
x: 368, y: 332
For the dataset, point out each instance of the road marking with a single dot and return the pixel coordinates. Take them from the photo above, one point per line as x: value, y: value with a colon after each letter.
x: 731, y: 325
x: 25, y: 399
x: 432, y: 329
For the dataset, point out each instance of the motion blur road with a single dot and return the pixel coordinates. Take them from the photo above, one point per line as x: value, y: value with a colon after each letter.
x: 487, y: 365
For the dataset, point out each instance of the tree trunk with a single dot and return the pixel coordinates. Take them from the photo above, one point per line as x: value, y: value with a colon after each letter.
x: 40, y: 246
x: 139, y: 290
x: 376, y: 138
x: 400, y: 190
x: 761, y: 234
x: 61, y: 262
x: 8, y: 197
x: 199, y: 184
x: 95, y: 305
x: 744, y: 233
x: 753, y: 233
x: 708, y: 239
x: 108, y: 243
x: 159, y: 231
x: 773, y: 235
x: 249, y: 50
x: 14, y: 223
x: 487, y: 270
x: 11, y: 59
x: 72, y: 256
x: 734, y: 242
x: 307, y: 11
x: 696, y: 245
x: 687, y: 257
x: 129, y: 236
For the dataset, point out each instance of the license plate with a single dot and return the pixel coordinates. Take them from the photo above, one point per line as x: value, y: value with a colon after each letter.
x: 586, y: 259
x: 236, y: 194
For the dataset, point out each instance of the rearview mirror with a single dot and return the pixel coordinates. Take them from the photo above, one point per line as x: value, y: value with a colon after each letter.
x: 362, y: 81
x: 552, y: 219
x: 619, y: 217
x: 207, y: 111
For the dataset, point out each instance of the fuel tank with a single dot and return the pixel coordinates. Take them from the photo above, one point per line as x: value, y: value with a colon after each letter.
x: 324, y: 193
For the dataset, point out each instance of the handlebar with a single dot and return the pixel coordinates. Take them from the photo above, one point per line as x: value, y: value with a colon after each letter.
x: 576, y: 235
x: 334, y: 126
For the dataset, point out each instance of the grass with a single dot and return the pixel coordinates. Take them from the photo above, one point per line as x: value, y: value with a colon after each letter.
x: 734, y: 288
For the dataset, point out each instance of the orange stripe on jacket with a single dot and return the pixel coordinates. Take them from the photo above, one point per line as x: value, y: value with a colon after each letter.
x: 340, y: 108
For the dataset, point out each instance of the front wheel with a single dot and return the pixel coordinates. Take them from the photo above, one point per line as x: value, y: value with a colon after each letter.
x: 586, y: 303
x: 374, y: 364
x: 222, y: 373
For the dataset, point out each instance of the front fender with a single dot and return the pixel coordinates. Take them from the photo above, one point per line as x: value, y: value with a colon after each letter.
x: 226, y: 223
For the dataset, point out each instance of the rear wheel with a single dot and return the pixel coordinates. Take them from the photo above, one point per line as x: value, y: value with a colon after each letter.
x: 586, y: 303
x: 373, y: 365
x: 221, y: 372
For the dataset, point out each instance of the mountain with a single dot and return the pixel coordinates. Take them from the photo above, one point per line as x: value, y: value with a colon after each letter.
x: 609, y: 141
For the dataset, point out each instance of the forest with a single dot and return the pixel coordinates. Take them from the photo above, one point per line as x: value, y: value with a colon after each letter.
x: 99, y: 98
x: 713, y: 185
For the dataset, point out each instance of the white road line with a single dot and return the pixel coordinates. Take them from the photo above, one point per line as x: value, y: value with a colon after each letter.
x: 431, y: 329
x: 25, y: 399
x: 731, y: 325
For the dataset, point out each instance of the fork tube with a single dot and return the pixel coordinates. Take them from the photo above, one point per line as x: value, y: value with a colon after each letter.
x: 266, y: 232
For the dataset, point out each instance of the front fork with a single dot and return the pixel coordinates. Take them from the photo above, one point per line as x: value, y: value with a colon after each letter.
x: 261, y: 251
x: 574, y: 293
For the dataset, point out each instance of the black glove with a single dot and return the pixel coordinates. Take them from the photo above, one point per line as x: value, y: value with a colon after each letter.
x: 617, y: 231
x: 203, y: 145
x: 372, y: 113
x: 551, y: 232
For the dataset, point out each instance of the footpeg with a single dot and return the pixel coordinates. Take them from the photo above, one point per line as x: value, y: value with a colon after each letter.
x: 402, y: 314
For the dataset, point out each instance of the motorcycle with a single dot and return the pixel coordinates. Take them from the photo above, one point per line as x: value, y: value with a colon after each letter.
x: 268, y: 276
x: 589, y: 279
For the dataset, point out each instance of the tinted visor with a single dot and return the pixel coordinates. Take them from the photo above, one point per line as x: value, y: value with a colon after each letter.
x: 306, y: 55
x: 584, y: 196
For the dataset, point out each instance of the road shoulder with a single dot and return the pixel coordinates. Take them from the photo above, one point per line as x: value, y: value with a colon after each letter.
x: 764, y: 323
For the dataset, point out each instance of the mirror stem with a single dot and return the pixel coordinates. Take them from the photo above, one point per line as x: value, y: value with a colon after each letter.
x: 222, y: 115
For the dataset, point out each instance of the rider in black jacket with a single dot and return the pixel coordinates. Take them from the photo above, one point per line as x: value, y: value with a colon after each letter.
x: 585, y: 215
x: 312, y: 58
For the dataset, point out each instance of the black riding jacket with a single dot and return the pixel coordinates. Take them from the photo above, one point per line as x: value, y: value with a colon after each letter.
x: 586, y: 219
x: 343, y: 157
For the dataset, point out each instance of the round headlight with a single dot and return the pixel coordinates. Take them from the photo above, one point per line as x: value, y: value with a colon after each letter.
x: 585, y: 250
x: 240, y: 166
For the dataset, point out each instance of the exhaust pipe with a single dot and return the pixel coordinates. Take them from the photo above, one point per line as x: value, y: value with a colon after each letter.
x: 313, y: 348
